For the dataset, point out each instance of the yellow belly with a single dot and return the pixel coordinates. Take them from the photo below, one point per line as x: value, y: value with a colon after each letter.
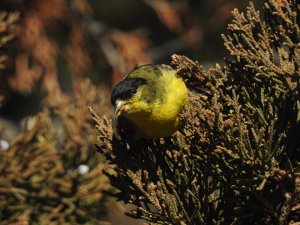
x: 156, y: 129
x: 163, y: 118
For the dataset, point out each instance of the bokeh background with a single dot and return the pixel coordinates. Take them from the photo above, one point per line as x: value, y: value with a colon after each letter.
x: 56, y: 45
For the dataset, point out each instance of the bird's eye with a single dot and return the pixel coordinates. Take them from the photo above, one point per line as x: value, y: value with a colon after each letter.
x: 127, y: 94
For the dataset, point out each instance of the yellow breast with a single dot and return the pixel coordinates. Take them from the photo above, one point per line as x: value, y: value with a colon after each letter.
x: 161, y: 119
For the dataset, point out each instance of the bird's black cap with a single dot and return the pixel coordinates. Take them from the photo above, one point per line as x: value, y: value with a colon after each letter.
x: 126, y: 88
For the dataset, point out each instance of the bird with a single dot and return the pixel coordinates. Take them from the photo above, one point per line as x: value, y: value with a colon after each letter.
x: 151, y: 98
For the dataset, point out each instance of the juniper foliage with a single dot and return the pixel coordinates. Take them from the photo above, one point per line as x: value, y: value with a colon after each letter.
x: 237, y: 159
x: 50, y: 174
x: 7, y: 24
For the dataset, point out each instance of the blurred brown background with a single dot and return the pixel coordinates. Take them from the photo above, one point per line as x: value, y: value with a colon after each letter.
x: 58, y: 43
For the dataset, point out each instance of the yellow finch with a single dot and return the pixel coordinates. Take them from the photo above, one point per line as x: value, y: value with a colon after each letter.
x: 151, y: 98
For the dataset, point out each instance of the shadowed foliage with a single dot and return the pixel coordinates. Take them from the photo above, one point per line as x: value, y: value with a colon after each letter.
x: 236, y: 161
x: 49, y: 173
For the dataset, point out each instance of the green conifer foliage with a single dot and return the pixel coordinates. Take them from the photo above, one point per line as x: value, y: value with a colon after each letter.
x: 7, y: 24
x: 236, y: 161
x: 50, y: 174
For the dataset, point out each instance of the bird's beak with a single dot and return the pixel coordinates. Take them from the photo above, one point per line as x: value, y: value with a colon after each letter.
x: 120, y: 107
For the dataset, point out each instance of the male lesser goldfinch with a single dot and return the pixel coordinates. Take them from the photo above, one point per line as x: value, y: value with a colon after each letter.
x: 151, y: 98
